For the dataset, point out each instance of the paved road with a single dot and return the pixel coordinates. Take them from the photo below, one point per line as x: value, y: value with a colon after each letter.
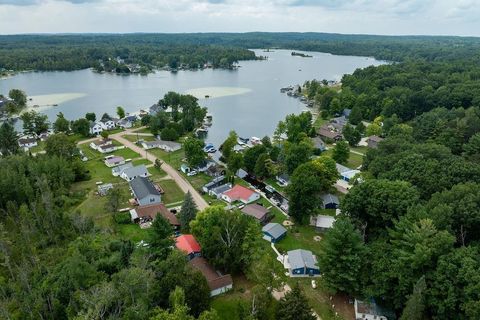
x: 172, y: 172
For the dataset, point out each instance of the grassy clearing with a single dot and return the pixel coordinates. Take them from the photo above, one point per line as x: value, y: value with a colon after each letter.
x: 319, y: 121
x: 135, y: 138
x: 143, y: 130
x: 138, y: 162
x: 173, y: 193
x: 126, y: 153
x: 361, y: 149
x: 172, y: 158
x: 274, y: 183
x: 354, y: 161
x: 131, y: 231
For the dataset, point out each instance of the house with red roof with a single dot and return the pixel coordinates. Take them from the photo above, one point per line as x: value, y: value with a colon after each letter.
x: 188, y: 244
x: 240, y: 193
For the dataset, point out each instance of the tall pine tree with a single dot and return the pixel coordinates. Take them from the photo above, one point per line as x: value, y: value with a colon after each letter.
x: 188, y: 212
x: 294, y: 306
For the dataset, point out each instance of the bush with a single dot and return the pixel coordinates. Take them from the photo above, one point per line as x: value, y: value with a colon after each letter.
x: 122, y: 218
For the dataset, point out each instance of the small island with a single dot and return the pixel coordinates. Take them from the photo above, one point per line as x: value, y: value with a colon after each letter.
x: 299, y: 54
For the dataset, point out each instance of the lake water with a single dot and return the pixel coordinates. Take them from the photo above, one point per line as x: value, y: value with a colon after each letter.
x: 247, y: 100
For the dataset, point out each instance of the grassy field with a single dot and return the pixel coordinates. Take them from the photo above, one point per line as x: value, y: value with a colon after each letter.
x: 173, y: 193
x: 172, y: 158
x: 135, y: 138
x: 354, y: 161
x: 141, y: 161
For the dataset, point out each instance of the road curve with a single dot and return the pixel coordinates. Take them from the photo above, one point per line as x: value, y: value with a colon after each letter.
x: 172, y: 172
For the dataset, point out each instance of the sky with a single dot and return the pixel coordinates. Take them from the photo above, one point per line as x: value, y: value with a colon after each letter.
x: 394, y: 17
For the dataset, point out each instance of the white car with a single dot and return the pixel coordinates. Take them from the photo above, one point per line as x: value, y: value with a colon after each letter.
x: 192, y: 173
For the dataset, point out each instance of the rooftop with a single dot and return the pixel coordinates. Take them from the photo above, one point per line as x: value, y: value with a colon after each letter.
x: 122, y: 167
x: 152, y: 210
x: 255, y: 210
x: 239, y: 192
x: 301, y: 258
x: 187, y: 243
x: 136, y: 171
x: 329, y: 198
x: 115, y: 159
x: 276, y: 230
x: 325, y: 222
x: 143, y: 187
x: 215, y: 279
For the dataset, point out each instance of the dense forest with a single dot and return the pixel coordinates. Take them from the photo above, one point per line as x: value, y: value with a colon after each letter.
x: 408, y: 235
x: 72, y: 52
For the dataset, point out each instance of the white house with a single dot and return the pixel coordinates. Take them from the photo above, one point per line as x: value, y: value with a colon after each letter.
x: 27, y: 143
x: 113, y: 161
x: 107, y: 124
x: 97, y: 144
x: 134, y: 172
x: 96, y: 128
x: 168, y: 146
x: 369, y: 310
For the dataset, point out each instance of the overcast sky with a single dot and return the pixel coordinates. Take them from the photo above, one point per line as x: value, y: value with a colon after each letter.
x: 435, y: 17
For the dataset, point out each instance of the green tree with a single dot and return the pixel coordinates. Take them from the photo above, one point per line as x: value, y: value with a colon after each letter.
x: 352, y: 135
x: 235, y: 162
x: 341, y: 152
x: 355, y: 116
x: 377, y: 203
x: 194, y: 151
x: 34, y: 122
x: 169, y: 134
x: 294, y: 306
x: 8, y: 139
x: 342, y: 258
x: 60, y: 145
x: 120, y: 112
x: 374, y: 130
x: 19, y: 97
x: 228, y: 145
x: 415, y: 306
x: 160, y: 237
x: 229, y: 240
x: 104, y: 134
x: 306, y: 183
x: 114, y: 200
x: 472, y: 148
x: 294, y: 154
x: 188, y: 212
x: 261, y: 169
x: 61, y: 124
x: 91, y: 116
x: 81, y: 127
x: 251, y: 156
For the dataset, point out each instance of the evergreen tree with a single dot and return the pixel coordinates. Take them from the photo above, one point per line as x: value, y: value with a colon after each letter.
x: 61, y: 124
x: 355, y: 116
x: 415, y: 305
x: 8, y: 139
x: 294, y: 306
x: 188, y: 212
x: 341, y: 257
x: 160, y: 237
x: 352, y: 135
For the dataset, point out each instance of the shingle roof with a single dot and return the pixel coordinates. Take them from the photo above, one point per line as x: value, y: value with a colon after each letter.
x: 329, y: 198
x: 115, y: 159
x: 255, y: 210
x: 301, y: 258
x: 152, y: 210
x: 187, y: 243
x: 239, y: 192
x: 136, y: 171
x: 221, y: 189
x: 214, y: 279
x: 122, y: 167
x: 274, y: 229
x: 323, y: 221
x: 143, y: 187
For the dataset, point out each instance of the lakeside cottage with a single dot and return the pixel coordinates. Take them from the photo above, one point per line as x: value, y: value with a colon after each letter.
x: 117, y: 171
x: 325, y: 133
x: 218, y: 191
x: 329, y: 201
x: 131, y: 173
x: 256, y: 211
x: 148, y: 213
x: 240, y: 193
x: 107, y: 124
x: 189, y: 245
x: 95, y: 128
x: 319, y: 144
x: 274, y: 232
x: 113, y: 161
x: 217, y: 282
x: 168, y: 146
x: 216, y: 182
x: 27, y: 143
x: 346, y: 173
x: 144, y: 191
x: 373, y: 141
x: 302, y: 263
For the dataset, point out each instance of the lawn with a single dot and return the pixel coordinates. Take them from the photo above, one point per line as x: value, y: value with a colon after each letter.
x: 300, y: 237
x: 172, y: 158
x: 354, y: 161
x: 319, y: 121
x: 135, y: 138
x: 143, y: 130
x: 274, y: 183
x: 126, y: 153
x: 141, y: 161
x: 39, y: 147
x: 173, y: 193
x: 131, y: 231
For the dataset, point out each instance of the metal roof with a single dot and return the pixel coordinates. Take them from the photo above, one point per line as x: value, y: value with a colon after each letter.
x: 301, y: 259
x: 276, y: 230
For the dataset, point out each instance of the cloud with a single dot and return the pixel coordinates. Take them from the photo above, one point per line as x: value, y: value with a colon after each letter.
x: 19, y: 2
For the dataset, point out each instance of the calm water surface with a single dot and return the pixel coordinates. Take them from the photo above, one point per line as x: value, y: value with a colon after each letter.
x: 255, y: 112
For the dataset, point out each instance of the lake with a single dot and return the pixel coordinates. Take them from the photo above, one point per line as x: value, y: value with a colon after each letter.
x: 247, y: 100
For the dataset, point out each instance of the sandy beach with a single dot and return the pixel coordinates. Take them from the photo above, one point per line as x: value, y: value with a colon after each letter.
x: 217, y: 92
x: 47, y: 101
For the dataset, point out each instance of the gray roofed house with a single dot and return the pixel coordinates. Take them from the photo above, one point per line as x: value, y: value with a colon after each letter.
x: 302, y: 263
x: 373, y: 141
x: 322, y: 223
x: 283, y: 179
x: 168, y: 146
x: 319, y: 144
x: 218, y: 191
x: 241, y: 173
x: 133, y: 172
x: 330, y: 201
x: 260, y: 213
x: 213, y: 184
x: 119, y: 169
x: 274, y: 232
x: 144, y: 191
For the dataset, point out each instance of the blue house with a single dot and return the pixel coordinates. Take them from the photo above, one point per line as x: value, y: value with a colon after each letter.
x: 274, y: 232
x: 302, y: 263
